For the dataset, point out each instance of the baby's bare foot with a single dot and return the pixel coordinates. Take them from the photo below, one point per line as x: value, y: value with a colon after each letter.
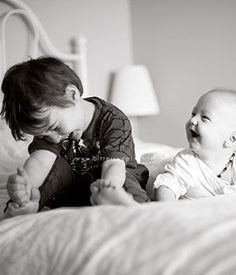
x: 15, y: 209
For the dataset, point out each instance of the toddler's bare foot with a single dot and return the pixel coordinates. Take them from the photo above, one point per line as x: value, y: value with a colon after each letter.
x: 18, y: 187
x: 105, y: 193
x: 15, y: 209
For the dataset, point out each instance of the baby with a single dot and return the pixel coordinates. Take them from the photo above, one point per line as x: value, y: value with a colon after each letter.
x: 207, y: 167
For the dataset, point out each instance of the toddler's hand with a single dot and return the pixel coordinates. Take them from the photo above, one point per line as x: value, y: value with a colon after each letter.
x: 18, y: 187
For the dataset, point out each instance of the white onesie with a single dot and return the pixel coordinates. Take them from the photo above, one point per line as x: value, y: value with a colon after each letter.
x: 189, y: 178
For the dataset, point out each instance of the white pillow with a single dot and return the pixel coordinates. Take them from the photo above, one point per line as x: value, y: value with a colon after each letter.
x: 12, y: 154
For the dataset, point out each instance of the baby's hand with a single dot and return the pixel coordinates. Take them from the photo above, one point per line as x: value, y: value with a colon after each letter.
x: 18, y: 187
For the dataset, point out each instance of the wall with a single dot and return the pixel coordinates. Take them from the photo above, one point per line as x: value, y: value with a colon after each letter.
x: 187, y: 45
x: 189, y: 48
x: 106, y: 23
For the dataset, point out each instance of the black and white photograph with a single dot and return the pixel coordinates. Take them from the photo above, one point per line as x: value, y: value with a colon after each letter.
x: 117, y: 137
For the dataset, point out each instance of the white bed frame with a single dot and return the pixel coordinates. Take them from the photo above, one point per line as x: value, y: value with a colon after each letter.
x: 78, y: 58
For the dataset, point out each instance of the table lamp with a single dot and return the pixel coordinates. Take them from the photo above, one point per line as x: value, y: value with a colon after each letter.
x: 133, y: 93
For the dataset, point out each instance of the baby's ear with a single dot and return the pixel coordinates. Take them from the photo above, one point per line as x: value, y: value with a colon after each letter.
x: 232, y: 140
x: 72, y: 92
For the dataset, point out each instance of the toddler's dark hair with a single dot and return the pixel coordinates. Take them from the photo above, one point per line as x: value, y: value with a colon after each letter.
x: 29, y: 86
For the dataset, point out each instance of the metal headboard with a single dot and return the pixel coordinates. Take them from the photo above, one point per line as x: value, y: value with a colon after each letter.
x: 78, y: 58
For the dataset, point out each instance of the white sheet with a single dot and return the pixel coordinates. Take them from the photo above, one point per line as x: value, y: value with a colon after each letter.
x: 183, y: 237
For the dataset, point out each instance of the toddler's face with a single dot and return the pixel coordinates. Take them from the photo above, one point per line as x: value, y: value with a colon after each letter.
x: 61, y: 122
x: 211, y: 123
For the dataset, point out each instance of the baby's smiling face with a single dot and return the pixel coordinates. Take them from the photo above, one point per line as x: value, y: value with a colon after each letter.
x: 212, y: 122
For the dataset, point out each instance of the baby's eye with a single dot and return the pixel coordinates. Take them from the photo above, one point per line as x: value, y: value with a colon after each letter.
x: 205, y: 118
x: 193, y: 114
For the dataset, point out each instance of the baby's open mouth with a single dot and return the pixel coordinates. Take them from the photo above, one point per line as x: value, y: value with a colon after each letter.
x: 194, y: 134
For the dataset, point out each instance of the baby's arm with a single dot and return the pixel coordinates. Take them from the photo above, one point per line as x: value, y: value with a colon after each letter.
x: 34, y: 172
x: 163, y: 193
x: 166, y: 187
x: 176, y: 178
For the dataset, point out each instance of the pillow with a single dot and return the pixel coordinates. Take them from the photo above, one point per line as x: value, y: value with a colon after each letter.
x: 12, y: 154
x: 155, y: 162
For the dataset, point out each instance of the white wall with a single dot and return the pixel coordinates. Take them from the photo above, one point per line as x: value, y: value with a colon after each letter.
x: 106, y: 23
x: 189, y: 47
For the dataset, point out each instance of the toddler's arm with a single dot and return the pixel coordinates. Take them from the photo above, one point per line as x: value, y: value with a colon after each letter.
x: 163, y: 193
x: 34, y: 172
x: 38, y: 166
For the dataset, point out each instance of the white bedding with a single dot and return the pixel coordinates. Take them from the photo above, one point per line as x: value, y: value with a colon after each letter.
x: 182, y: 237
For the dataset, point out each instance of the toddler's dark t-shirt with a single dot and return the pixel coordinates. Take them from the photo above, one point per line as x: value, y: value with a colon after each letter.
x: 107, y: 137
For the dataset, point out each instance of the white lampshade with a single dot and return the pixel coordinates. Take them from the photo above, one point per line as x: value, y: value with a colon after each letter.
x: 133, y: 92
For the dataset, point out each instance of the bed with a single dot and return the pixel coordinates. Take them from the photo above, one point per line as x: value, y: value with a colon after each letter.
x: 182, y: 237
